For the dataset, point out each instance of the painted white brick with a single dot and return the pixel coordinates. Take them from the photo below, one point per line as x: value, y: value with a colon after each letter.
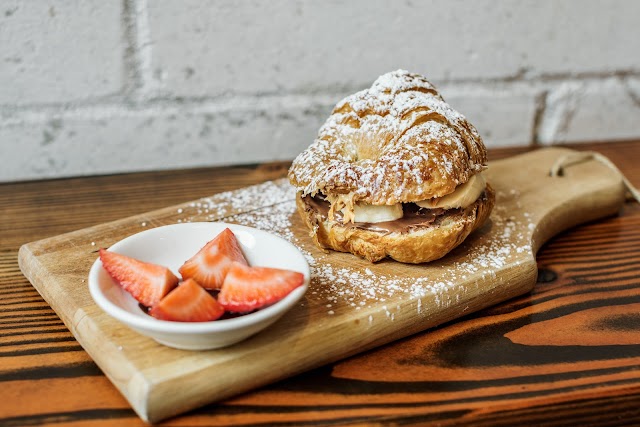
x: 591, y: 110
x: 58, y: 51
x: 573, y: 36
x: 203, y: 48
x: 504, y: 117
x: 111, y: 140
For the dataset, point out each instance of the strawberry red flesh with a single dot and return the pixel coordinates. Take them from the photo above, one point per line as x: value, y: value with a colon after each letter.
x: 250, y: 288
x: 189, y: 302
x: 146, y: 282
x: 210, y: 265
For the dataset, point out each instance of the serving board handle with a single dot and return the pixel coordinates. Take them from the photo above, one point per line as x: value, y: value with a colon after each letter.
x: 583, y: 192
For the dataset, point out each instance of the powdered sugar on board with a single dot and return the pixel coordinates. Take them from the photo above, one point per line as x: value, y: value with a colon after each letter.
x: 229, y: 203
x: 378, y: 291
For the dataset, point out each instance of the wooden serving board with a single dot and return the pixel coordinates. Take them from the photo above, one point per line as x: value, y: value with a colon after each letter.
x: 351, y: 306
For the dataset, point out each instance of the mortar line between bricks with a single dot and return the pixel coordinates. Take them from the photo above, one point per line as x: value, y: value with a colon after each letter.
x: 148, y: 100
x: 137, y: 56
x: 106, y: 110
x: 143, y: 49
x: 126, y: 106
x: 635, y: 97
x: 132, y: 74
x: 538, y: 118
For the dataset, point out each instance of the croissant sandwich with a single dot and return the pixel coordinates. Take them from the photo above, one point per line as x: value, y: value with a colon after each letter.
x: 394, y: 172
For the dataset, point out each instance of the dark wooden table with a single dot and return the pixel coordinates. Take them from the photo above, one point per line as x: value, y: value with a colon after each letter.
x: 568, y: 353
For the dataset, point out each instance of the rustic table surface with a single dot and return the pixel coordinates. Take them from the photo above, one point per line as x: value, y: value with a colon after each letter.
x: 567, y: 353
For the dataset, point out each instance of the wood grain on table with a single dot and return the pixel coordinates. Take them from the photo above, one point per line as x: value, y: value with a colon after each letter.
x: 568, y: 352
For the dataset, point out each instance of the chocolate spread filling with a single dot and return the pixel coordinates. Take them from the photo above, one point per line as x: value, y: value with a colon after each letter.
x: 413, y: 216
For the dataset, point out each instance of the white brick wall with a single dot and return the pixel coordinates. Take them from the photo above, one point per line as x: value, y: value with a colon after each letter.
x: 108, y: 139
x: 282, y: 45
x: 504, y: 115
x: 56, y: 52
x: 92, y: 87
x: 593, y: 109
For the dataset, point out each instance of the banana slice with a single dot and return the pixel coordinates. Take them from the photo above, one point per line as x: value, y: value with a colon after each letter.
x: 376, y: 213
x: 463, y: 196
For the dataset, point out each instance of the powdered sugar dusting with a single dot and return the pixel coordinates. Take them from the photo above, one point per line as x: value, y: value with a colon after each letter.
x: 229, y: 203
x: 381, y: 143
x: 376, y: 290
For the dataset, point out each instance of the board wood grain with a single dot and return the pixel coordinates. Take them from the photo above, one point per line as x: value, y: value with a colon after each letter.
x: 351, y: 305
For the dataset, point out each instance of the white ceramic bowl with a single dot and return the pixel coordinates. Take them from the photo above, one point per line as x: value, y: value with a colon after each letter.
x: 170, y: 246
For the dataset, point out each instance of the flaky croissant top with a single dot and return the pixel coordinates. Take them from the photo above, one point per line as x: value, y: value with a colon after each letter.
x: 396, y: 142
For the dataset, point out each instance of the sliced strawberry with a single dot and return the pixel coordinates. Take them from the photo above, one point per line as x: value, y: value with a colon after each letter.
x: 250, y: 288
x: 147, y: 282
x: 210, y: 265
x: 189, y: 302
